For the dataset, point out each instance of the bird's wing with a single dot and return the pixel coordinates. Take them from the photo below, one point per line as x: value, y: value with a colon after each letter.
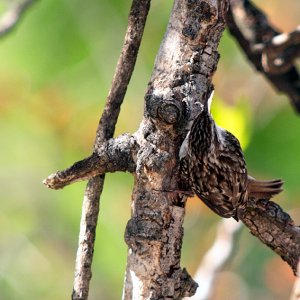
x: 232, y: 167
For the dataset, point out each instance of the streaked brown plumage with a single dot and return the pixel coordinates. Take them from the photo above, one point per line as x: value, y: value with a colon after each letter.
x: 215, y: 165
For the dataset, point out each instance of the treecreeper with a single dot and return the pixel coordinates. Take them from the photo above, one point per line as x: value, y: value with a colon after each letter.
x: 213, y: 164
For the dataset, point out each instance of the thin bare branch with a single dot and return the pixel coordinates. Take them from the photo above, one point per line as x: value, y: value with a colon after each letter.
x: 296, y: 290
x: 258, y: 39
x: 136, y: 23
x: 216, y: 257
x: 13, y: 16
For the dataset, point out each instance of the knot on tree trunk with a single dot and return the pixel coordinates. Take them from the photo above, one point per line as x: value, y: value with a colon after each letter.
x: 167, y: 109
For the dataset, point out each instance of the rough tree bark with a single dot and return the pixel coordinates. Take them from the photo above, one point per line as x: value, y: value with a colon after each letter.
x: 182, y: 77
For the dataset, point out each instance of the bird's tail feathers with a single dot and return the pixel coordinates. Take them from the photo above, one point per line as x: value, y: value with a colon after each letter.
x: 264, y: 189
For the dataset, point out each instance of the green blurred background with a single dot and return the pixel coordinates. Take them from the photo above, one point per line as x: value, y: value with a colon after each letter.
x: 55, y: 72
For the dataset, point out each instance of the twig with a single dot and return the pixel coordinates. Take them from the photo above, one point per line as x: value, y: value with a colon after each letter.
x: 12, y: 17
x: 259, y: 40
x: 280, y: 52
x: 136, y: 23
x: 296, y: 290
x: 216, y: 257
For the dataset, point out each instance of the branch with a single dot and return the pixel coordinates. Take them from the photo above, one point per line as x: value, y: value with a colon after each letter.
x: 296, y: 290
x: 271, y: 53
x: 136, y: 23
x: 275, y: 228
x: 114, y: 155
x: 12, y: 17
x: 280, y: 52
x: 268, y: 222
x: 216, y: 257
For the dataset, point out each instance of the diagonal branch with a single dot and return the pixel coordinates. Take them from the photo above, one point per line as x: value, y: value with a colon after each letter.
x: 12, y: 17
x: 275, y: 228
x: 216, y: 257
x: 270, y: 224
x: 136, y: 23
x: 271, y: 53
x: 296, y: 290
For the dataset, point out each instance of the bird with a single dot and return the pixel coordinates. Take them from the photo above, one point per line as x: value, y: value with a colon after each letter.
x: 213, y: 163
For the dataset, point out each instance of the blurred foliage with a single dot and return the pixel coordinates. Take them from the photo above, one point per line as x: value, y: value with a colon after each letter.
x: 55, y: 72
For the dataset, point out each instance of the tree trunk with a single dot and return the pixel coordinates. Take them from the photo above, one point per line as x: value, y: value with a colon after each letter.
x: 182, y: 76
